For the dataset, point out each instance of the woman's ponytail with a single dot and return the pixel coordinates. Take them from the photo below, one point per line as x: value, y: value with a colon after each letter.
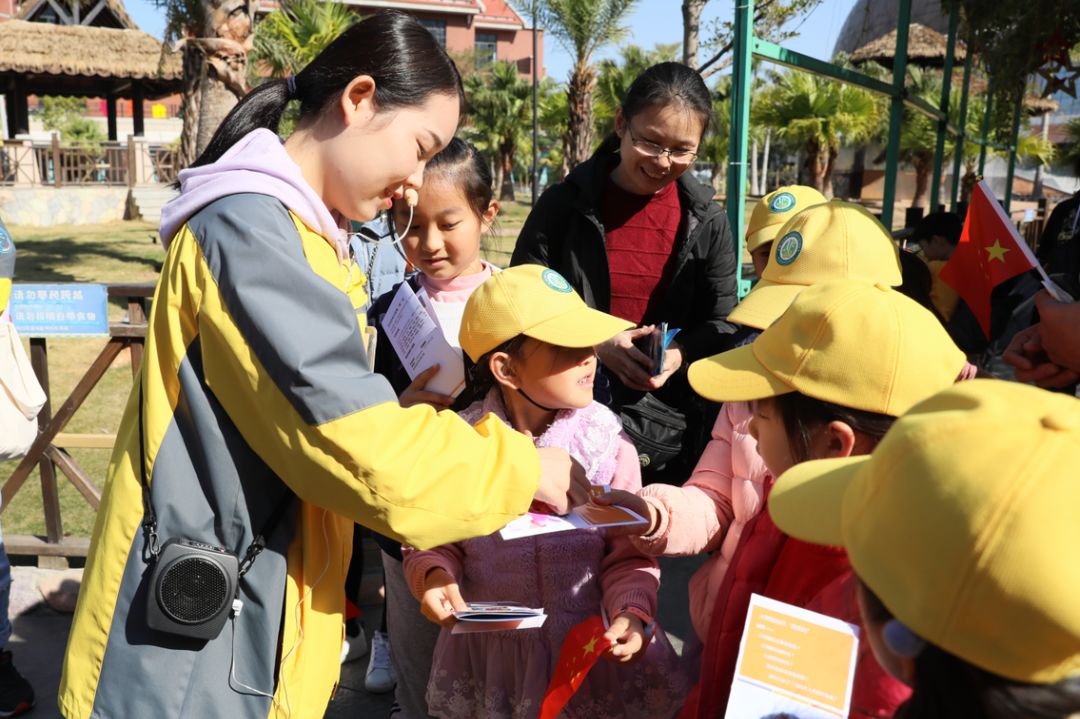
x: 260, y: 108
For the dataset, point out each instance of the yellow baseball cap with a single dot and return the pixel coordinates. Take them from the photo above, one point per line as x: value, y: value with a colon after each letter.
x: 776, y: 208
x: 535, y: 301
x: 832, y: 241
x: 964, y: 521
x: 847, y: 342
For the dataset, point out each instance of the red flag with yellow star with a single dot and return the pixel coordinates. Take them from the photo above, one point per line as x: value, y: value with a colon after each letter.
x: 990, y: 251
x: 583, y: 645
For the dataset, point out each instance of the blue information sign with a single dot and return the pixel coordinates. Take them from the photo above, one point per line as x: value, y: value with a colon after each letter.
x: 59, y: 310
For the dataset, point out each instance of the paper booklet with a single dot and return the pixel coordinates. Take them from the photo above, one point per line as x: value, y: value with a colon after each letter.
x: 587, y: 516
x: 419, y: 342
x: 793, y: 662
x: 497, y: 617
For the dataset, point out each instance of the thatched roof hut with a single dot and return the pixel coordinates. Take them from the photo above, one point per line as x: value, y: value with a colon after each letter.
x: 82, y: 60
x: 926, y: 48
x: 98, y: 13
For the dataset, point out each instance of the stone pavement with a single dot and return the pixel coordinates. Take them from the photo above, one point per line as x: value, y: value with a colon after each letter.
x: 40, y: 632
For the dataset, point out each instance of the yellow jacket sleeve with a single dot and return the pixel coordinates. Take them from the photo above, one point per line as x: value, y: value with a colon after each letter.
x: 282, y: 351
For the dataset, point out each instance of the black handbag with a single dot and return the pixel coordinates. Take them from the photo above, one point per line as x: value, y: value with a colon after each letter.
x: 656, y: 428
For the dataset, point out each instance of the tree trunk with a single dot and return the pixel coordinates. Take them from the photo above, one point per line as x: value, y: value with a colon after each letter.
x: 826, y: 176
x: 579, y: 92
x: 214, y: 104
x: 765, y: 163
x: 755, y: 188
x: 922, y: 184
x: 499, y: 174
x: 691, y: 13
x: 814, y: 166
x: 215, y: 71
x: 506, y: 161
x: 194, y: 76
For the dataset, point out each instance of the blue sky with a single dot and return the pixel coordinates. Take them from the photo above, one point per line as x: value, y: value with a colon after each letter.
x: 653, y: 22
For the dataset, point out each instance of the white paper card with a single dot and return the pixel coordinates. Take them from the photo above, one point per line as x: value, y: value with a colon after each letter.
x: 511, y: 625
x: 419, y: 343
x: 587, y: 516
x: 793, y: 662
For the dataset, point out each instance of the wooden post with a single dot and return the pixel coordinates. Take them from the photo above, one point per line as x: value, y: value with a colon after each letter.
x: 137, y: 109
x: 110, y: 111
x: 58, y: 170
x: 50, y: 495
x: 9, y: 108
x: 22, y: 113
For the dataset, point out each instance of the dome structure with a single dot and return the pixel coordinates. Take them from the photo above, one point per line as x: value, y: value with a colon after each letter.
x: 871, y: 19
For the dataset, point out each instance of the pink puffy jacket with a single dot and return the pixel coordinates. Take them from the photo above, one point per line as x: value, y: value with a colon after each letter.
x: 708, y: 513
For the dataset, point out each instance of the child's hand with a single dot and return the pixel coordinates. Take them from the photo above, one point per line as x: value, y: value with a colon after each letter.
x: 635, y: 504
x: 627, y: 637
x: 416, y: 394
x: 441, y: 598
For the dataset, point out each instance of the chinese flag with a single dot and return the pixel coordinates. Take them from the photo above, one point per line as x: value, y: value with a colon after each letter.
x: 583, y: 645
x: 990, y: 251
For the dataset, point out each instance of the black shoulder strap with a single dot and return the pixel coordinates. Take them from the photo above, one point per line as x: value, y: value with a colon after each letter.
x: 149, y: 522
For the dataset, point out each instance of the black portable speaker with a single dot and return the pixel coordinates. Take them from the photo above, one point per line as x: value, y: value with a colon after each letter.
x: 192, y: 589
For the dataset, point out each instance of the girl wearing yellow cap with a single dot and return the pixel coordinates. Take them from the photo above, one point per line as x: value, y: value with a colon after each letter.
x: 532, y: 339
x: 827, y: 380
x: 963, y: 548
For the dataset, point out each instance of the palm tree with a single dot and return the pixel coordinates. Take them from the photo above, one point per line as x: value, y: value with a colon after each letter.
x: 614, y: 78
x: 583, y: 26
x: 714, y: 147
x: 293, y: 35
x: 215, y: 37
x: 918, y: 133
x: 818, y: 115
x: 290, y: 37
x: 500, y: 112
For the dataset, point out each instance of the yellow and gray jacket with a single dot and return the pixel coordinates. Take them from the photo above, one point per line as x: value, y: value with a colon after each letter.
x: 255, y: 384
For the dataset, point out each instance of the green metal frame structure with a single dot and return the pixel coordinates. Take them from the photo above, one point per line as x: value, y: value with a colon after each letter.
x: 746, y: 46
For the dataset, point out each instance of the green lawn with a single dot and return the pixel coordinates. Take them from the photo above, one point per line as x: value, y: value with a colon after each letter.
x: 115, y: 252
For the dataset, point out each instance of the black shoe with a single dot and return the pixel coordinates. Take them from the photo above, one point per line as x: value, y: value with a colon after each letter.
x: 16, y: 694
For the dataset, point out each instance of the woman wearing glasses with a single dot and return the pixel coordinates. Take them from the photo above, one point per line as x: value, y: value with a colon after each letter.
x: 640, y: 238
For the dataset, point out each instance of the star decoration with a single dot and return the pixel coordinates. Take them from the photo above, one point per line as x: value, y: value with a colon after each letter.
x: 590, y: 647
x: 997, y: 252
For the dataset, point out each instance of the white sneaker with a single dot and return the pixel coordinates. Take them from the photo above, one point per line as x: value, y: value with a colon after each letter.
x: 352, y: 648
x: 380, y: 677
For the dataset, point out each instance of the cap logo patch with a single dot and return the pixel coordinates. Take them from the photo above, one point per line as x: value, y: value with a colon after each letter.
x: 6, y: 245
x: 782, y: 202
x: 556, y: 281
x: 788, y: 248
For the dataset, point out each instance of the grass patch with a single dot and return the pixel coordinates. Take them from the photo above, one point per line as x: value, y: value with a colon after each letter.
x: 107, y: 253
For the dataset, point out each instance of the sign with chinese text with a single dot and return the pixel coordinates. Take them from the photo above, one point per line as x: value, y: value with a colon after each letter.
x: 60, y: 310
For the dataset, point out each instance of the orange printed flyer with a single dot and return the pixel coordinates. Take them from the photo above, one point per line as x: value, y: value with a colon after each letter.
x: 793, y: 663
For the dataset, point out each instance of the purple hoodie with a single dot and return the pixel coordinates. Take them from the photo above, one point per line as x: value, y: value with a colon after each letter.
x: 257, y: 163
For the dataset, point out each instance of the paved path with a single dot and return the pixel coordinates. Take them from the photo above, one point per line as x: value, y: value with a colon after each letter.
x: 40, y: 634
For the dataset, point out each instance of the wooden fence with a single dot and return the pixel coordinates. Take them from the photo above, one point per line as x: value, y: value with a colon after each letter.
x: 59, y: 164
x: 49, y: 451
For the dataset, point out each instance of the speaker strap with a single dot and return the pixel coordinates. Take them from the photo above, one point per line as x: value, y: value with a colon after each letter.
x: 149, y: 523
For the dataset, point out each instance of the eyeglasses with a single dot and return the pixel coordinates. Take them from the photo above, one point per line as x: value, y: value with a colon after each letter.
x: 651, y: 149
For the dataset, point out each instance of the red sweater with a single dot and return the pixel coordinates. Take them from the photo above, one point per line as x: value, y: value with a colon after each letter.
x: 770, y: 563
x: 639, y: 234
